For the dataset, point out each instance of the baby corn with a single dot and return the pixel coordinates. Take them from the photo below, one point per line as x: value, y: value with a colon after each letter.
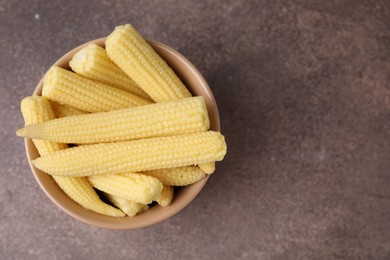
x: 129, y: 207
x: 37, y: 109
x: 208, y: 168
x: 134, y: 156
x: 131, y: 186
x: 68, y: 88
x: 92, y: 62
x: 182, y: 116
x: 126, y: 47
x: 81, y: 191
x: 166, y: 196
x: 61, y: 110
x: 180, y: 176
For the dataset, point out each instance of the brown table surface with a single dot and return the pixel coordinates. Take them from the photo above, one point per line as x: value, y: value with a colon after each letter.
x: 304, y: 98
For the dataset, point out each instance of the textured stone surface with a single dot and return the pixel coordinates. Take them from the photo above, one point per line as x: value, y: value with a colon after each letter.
x: 303, y: 90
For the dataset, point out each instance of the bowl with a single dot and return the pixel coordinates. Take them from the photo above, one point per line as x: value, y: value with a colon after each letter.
x: 197, y: 85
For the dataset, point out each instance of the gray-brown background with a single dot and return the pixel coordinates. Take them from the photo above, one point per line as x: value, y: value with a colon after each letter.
x: 304, y: 97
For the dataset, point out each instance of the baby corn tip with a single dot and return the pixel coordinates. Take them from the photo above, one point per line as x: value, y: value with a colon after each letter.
x: 21, y: 132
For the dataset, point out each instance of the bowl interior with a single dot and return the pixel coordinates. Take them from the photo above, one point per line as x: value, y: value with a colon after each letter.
x: 184, y: 195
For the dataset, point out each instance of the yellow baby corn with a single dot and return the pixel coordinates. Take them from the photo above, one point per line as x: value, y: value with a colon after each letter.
x: 208, y: 168
x: 129, y: 207
x: 132, y: 186
x: 92, y: 62
x: 180, y: 176
x: 181, y: 116
x: 81, y: 191
x: 134, y: 156
x: 166, y: 196
x: 61, y: 110
x: 37, y: 109
x: 68, y: 88
x: 126, y: 47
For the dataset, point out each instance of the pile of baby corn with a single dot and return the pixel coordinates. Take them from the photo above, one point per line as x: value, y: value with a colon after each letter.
x: 135, y: 129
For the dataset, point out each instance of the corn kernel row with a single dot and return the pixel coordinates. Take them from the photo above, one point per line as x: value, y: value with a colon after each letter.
x: 182, y: 116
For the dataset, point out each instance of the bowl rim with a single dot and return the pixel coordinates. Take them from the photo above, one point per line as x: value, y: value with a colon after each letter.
x: 151, y: 221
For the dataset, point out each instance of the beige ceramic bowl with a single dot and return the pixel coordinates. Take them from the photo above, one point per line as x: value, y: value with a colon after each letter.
x: 197, y: 85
